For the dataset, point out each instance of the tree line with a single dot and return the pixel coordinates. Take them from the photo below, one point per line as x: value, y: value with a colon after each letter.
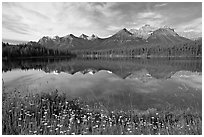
x: 193, y: 48
x: 31, y: 49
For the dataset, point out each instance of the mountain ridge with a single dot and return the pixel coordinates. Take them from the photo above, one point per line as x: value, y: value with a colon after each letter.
x: 147, y: 34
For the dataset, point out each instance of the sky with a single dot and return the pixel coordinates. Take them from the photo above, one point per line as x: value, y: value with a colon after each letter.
x: 31, y: 21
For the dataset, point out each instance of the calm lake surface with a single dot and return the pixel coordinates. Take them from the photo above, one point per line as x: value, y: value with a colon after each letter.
x: 116, y: 83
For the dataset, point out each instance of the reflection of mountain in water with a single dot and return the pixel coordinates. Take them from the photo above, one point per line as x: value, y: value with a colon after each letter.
x: 124, y: 68
x: 142, y: 75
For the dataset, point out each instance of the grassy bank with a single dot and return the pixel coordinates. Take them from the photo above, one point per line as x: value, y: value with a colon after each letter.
x: 54, y: 114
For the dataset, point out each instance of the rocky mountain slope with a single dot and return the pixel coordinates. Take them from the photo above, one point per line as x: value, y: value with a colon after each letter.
x: 144, y: 32
x: 146, y: 35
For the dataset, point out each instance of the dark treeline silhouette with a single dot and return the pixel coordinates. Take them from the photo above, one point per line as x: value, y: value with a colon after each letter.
x: 31, y: 49
x: 193, y: 49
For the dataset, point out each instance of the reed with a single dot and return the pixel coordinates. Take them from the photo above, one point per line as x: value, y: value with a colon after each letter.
x: 55, y: 114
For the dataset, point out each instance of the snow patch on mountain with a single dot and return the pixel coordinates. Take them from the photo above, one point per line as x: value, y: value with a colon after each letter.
x: 92, y: 37
x: 144, y: 32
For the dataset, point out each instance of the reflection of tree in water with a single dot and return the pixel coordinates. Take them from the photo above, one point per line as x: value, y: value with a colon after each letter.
x: 123, y: 67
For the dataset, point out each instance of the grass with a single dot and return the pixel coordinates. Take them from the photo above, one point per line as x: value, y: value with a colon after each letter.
x: 55, y: 114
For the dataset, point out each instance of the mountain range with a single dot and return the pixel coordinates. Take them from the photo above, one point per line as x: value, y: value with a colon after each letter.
x: 146, y: 35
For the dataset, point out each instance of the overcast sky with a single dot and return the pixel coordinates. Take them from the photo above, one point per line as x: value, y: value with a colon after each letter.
x: 31, y: 21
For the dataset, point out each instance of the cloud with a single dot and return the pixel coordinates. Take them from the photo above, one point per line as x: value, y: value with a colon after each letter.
x: 31, y: 21
x: 148, y: 15
x: 15, y: 24
x: 193, y: 25
x: 35, y: 13
x: 113, y: 28
x: 96, y: 4
x: 160, y: 5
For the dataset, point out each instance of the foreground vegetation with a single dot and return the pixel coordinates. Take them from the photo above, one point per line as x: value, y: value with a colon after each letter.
x: 54, y: 114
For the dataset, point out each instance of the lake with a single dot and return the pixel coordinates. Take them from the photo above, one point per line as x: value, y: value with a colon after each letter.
x: 114, y: 83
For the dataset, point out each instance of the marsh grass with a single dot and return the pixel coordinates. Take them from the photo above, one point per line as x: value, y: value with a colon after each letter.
x: 54, y: 114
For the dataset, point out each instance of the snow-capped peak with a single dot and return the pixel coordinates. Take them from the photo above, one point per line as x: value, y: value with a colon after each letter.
x: 44, y: 39
x: 83, y: 36
x: 56, y: 37
x: 70, y: 36
x: 92, y: 37
x: 143, y: 32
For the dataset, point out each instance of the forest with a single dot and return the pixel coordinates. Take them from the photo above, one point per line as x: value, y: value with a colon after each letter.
x: 31, y: 49
x: 192, y: 49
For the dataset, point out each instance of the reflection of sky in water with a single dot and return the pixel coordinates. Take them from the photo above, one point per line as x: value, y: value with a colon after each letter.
x: 139, y: 89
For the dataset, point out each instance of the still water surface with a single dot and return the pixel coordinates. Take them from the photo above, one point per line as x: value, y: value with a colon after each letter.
x: 116, y: 83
